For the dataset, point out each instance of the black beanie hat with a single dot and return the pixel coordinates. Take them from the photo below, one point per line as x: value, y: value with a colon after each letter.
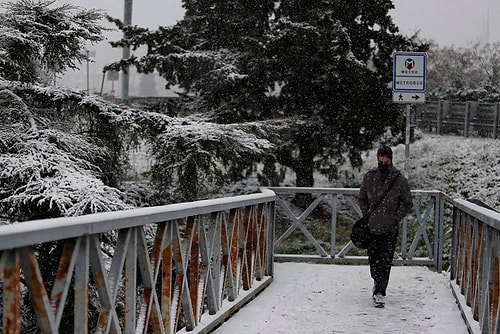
x: 385, y: 151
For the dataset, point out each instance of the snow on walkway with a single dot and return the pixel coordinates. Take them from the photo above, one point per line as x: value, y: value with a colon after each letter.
x: 323, y: 299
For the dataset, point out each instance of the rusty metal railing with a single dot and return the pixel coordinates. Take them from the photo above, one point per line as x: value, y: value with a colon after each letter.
x: 185, y: 268
x: 422, y: 232
x: 475, y: 266
x: 176, y: 268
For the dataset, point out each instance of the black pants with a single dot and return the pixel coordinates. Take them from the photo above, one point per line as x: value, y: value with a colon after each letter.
x: 380, y: 256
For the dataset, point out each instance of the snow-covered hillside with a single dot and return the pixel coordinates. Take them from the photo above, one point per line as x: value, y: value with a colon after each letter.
x: 460, y: 167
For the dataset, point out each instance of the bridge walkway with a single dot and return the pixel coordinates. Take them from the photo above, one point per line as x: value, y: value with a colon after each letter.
x: 326, y: 298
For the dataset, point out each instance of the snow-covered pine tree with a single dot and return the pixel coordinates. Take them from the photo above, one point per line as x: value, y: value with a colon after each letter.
x: 322, y: 68
x: 39, y: 39
x: 333, y: 60
x: 46, y: 172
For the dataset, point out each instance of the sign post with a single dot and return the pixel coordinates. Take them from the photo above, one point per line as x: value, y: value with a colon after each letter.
x: 408, y: 86
x: 88, y: 55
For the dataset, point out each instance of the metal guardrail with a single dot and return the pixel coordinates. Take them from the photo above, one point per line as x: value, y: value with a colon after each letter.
x: 475, y: 266
x: 175, y: 268
x: 422, y: 236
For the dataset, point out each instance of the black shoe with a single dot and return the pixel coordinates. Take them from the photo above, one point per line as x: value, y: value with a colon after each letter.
x: 379, y: 300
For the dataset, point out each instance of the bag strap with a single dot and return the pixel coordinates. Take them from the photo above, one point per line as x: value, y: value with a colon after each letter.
x: 381, y: 199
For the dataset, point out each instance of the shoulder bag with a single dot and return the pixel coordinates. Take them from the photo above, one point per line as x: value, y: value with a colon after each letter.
x: 360, y: 233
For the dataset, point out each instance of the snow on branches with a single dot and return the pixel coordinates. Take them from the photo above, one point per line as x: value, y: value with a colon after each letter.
x: 39, y: 39
x: 60, y: 156
x: 46, y: 172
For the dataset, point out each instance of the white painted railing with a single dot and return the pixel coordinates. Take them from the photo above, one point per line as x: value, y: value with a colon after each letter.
x: 422, y: 233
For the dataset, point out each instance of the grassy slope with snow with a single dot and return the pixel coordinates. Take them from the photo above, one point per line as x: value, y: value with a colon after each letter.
x: 460, y: 167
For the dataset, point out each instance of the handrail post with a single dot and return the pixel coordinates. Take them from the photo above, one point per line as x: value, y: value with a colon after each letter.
x: 496, y: 120
x: 467, y: 118
x: 334, y: 225
x: 270, y: 239
x: 12, y: 292
x: 454, y: 243
x: 439, y: 218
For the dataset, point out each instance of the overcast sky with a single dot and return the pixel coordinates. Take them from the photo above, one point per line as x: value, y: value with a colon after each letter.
x: 448, y: 22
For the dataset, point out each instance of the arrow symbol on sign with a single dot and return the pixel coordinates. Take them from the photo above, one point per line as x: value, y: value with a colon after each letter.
x: 415, y: 97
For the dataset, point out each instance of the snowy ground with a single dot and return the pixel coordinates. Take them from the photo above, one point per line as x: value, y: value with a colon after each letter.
x: 321, y: 299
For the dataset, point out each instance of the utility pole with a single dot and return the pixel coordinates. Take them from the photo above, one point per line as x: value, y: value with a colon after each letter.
x: 127, y: 20
x: 87, y: 53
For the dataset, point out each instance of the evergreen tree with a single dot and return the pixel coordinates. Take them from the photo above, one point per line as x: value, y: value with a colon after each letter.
x: 213, y: 54
x: 333, y: 60
x: 322, y: 68
x: 39, y: 40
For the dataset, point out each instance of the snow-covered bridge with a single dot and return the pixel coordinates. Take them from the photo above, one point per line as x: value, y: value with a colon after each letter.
x: 188, y: 267
x: 325, y: 298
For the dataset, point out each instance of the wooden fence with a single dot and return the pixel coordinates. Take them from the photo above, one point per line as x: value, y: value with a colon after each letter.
x: 459, y: 118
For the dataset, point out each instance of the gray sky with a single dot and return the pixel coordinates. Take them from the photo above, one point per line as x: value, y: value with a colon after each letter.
x: 448, y: 22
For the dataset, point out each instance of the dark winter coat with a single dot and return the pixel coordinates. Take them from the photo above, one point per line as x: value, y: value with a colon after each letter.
x: 396, y: 205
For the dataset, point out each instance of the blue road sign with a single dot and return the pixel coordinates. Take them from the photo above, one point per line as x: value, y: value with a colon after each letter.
x: 409, y: 72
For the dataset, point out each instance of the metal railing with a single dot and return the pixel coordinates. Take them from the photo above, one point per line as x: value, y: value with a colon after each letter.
x: 422, y: 232
x: 187, y: 267
x: 475, y: 268
x: 160, y: 269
